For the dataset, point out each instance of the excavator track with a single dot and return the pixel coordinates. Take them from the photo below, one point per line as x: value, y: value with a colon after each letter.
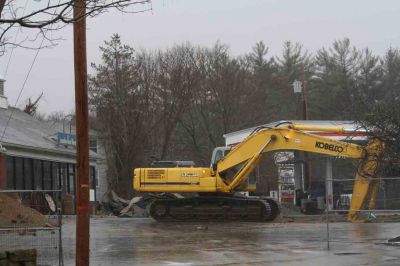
x: 215, y: 208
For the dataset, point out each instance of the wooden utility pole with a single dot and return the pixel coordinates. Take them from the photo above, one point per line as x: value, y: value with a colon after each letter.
x: 82, y: 145
x: 303, y: 93
x: 308, y: 167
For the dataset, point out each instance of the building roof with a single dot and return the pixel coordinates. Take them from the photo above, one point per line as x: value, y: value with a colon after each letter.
x: 67, y: 126
x: 352, y: 130
x: 25, y: 131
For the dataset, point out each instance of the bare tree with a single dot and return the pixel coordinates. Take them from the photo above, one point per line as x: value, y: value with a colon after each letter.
x: 31, y: 106
x: 57, y: 116
x: 44, y: 17
x: 378, y: 102
x: 176, y: 81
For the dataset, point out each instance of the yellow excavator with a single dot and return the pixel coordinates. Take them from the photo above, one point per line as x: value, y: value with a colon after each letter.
x: 217, y: 185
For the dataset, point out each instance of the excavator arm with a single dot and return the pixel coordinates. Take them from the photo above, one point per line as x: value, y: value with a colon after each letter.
x: 250, y: 151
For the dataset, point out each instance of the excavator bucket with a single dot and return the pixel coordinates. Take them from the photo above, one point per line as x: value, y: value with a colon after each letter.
x: 366, y: 182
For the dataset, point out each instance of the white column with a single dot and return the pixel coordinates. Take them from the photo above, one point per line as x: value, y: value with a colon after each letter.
x: 298, y: 172
x: 329, y: 183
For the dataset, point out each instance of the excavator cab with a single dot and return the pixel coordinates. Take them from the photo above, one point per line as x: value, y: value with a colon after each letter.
x: 217, y: 155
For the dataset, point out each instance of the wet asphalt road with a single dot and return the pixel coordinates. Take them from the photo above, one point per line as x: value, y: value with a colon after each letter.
x: 117, y: 241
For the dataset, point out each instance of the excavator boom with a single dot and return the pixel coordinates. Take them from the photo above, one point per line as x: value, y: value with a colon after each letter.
x: 284, y: 138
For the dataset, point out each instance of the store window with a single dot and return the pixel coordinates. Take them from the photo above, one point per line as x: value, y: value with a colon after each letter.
x: 34, y: 174
x: 63, y: 176
x: 47, y: 178
x: 19, y: 178
x: 28, y: 173
x: 71, y: 178
x: 10, y: 173
x: 37, y: 174
x: 54, y: 174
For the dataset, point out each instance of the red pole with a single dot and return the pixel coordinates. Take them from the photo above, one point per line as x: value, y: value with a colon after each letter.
x: 82, y: 146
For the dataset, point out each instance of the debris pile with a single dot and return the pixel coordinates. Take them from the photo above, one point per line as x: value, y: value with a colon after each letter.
x: 394, y: 241
x: 121, y: 207
x: 14, y: 214
x: 136, y: 207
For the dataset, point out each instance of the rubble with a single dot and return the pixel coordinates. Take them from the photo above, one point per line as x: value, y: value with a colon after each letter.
x: 394, y: 241
x: 121, y: 207
x: 136, y: 207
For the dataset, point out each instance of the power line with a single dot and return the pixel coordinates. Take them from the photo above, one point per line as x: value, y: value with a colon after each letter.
x: 26, y: 78
x: 15, y: 41
x: 22, y: 88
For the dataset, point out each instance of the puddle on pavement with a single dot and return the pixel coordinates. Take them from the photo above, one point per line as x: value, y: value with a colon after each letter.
x: 348, y: 253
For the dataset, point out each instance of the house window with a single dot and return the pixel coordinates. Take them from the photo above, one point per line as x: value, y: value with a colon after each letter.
x: 93, y: 144
x: 92, y: 180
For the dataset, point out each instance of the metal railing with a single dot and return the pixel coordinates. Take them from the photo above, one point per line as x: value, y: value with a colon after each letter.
x: 328, y: 211
x: 32, y: 219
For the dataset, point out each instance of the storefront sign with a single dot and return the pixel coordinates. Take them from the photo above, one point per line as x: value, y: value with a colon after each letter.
x: 66, y: 139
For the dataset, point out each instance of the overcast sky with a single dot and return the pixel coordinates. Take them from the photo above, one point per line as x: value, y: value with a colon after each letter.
x: 238, y: 23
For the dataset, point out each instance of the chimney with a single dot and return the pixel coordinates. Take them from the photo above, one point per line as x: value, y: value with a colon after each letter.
x: 3, y: 99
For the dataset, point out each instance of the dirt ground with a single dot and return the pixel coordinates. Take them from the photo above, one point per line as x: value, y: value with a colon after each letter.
x: 15, y: 214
